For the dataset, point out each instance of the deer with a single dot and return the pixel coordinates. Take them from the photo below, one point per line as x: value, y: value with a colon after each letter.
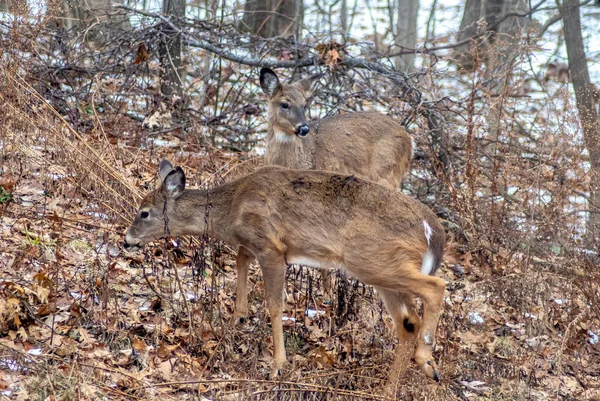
x: 365, y: 144
x: 370, y: 145
x: 318, y: 219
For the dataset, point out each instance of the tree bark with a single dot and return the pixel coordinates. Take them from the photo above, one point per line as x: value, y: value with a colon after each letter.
x: 88, y: 16
x: 481, y: 17
x: 589, y: 117
x: 171, y: 81
x: 15, y: 7
x: 271, y: 18
x: 406, y: 33
x: 344, y: 19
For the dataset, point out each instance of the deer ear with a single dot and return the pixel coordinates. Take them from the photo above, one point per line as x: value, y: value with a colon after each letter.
x: 307, y: 83
x: 269, y: 82
x: 164, y: 168
x: 174, y: 183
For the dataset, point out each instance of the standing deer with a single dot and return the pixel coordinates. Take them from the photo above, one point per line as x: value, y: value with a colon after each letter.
x: 318, y: 219
x: 369, y: 145
x: 365, y: 144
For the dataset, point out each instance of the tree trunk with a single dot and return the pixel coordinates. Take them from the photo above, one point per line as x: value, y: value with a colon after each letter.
x: 470, y: 25
x: 88, y: 16
x: 171, y: 81
x: 589, y: 117
x: 479, y: 18
x: 406, y: 33
x: 344, y: 19
x: 501, y: 56
x: 271, y: 18
x: 15, y: 7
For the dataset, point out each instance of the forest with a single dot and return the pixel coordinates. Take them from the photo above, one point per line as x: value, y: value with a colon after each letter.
x: 495, y: 104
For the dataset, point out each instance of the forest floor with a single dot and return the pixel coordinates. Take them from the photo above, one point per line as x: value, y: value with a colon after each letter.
x: 80, y: 319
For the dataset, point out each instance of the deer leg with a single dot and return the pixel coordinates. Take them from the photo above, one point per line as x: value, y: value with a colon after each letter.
x: 327, y: 286
x: 273, y: 268
x: 244, y: 258
x: 431, y: 290
x: 406, y: 322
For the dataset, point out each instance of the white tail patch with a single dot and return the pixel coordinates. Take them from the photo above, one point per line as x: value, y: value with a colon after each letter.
x: 428, y: 261
x: 428, y: 231
x: 404, y: 310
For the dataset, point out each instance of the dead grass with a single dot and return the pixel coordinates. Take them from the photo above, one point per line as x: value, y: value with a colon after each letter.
x: 81, y: 320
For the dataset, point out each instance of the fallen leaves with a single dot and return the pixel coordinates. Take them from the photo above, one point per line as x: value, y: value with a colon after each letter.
x: 330, y: 54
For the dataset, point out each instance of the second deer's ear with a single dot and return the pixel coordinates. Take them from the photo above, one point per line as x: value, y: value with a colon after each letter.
x: 269, y: 82
x: 307, y: 83
x: 174, y: 183
x: 164, y: 168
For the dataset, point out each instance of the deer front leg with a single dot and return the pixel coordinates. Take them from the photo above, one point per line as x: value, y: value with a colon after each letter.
x: 244, y: 258
x: 273, y: 268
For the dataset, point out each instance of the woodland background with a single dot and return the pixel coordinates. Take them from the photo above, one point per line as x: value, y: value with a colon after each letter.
x: 499, y: 96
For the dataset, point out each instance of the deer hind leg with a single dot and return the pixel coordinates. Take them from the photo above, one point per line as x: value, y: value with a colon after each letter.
x: 431, y: 290
x: 273, y: 268
x: 407, y: 324
x: 244, y: 258
x: 327, y: 285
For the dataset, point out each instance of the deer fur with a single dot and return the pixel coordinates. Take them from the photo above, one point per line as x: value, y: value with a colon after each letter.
x: 317, y: 218
x: 369, y: 145
x: 365, y: 144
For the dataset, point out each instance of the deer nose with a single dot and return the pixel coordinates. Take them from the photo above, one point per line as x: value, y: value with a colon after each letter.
x: 302, y: 130
x: 130, y: 247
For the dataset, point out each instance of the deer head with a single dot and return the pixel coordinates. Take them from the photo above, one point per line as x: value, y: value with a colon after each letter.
x: 287, y: 104
x: 157, y: 216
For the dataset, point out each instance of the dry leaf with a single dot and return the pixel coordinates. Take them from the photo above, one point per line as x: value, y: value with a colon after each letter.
x: 139, y: 345
x: 142, y: 55
x: 165, y: 350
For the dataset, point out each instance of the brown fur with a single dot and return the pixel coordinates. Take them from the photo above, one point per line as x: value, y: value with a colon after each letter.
x: 366, y: 144
x: 324, y: 219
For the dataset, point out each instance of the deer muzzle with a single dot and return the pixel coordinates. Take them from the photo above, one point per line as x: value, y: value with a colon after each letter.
x: 302, y: 130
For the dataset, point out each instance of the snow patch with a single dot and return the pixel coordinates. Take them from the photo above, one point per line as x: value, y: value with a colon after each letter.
x: 593, y: 337
x: 311, y: 313
x: 35, y: 351
x: 475, y: 318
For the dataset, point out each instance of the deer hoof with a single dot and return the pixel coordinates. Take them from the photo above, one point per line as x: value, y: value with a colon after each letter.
x: 239, y: 318
x: 429, y: 368
x: 274, y: 374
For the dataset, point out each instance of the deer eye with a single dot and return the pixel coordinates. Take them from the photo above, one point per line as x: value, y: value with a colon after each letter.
x: 285, y: 106
x: 144, y: 215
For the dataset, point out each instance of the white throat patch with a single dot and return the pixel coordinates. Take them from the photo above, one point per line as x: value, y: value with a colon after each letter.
x: 282, y: 137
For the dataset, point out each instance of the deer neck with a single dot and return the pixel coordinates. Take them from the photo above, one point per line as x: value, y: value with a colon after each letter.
x: 200, y: 212
x: 286, y: 150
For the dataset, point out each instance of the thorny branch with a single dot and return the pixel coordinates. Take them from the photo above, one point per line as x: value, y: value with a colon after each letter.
x: 408, y: 93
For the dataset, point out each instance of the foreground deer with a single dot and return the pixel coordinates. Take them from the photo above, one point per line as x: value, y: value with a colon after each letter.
x: 365, y: 144
x: 318, y: 219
